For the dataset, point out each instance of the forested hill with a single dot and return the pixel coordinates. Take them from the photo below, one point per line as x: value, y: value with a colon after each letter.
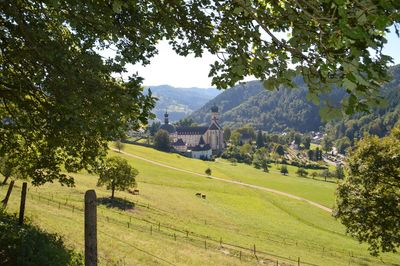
x: 378, y: 122
x: 180, y: 102
x: 275, y: 111
x: 250, y: 103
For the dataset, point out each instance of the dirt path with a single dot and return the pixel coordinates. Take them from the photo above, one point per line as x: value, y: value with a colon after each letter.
x: 230, y: 181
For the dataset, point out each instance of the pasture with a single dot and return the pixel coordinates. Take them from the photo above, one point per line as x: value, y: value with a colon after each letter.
x: 169, y: 224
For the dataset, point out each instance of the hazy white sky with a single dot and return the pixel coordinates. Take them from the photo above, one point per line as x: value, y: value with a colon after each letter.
x: 169, y: 68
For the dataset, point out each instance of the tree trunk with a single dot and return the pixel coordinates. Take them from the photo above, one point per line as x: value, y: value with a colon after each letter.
x: 5, y: 200
x: 112, y: 191
x: 5, y: 180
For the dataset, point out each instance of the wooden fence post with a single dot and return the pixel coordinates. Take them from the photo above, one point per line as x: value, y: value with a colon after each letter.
x: 90, y: 228
x: 22, y: 205
x: 5, y: 200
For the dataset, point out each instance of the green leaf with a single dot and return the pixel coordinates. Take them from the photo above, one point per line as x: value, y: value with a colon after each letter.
x: 117, y: 6
x: 348, y: 84
x: 270, y: 84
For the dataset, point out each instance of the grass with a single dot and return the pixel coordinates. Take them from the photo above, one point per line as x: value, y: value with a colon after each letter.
x: 318, y: 191
x: 238, y: 215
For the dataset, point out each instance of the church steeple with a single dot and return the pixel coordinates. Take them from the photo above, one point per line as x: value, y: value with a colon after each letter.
x: 166, y: 121
x: 214, y: 113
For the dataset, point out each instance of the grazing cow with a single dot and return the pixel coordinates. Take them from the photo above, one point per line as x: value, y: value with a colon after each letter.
x: 136, y: 192
x: 198, y: 194
x: 203, y: 196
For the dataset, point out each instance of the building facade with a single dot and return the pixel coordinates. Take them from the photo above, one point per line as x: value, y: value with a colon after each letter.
x: 201, y: 141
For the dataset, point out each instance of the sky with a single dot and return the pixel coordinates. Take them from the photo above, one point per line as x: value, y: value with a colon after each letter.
x: 168, y: 68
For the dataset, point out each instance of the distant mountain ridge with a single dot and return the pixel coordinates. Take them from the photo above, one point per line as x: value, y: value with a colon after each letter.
x: 179, y: 102
x: 275, y: 111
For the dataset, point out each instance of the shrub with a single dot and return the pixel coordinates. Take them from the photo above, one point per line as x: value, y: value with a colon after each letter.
x: 284, y: 170
x: 208, y: 171
x: 301, y: 172
x: 30, y: 245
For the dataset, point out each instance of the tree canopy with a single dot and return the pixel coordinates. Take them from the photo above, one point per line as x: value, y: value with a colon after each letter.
x: 368, y: 200
x: 61, y: 101
x: 162, y: 141
x: 117, y: 174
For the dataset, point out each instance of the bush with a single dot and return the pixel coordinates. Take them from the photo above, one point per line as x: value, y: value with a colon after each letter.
x: 208, y: 171
x: 284, y: 170
x: 233, y: 161
x: 301, y: 172
x: 30, y: 245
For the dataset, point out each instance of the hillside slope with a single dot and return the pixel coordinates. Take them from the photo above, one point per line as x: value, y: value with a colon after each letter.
x: 250, y: 103
x: 170, y: 225
x: 275, y: 111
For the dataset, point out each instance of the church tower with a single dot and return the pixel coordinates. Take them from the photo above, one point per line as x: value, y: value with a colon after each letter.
x: 169, y: 128
x: 215, y: 134
x: 214, y: 113
x: 166, y: 120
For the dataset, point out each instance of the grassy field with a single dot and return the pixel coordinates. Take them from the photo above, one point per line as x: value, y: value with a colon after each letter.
x: 318, y: 191
x: 282, y: 229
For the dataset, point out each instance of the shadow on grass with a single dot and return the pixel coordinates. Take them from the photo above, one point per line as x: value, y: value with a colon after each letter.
x: 117, y: 203
x: 30, y: 245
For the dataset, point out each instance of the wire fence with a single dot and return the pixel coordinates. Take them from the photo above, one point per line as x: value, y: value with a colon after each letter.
x: 198, y: 240
x: 203, y: 241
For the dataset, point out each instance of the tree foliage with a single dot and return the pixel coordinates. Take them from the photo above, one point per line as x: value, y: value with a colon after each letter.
x: 227, y: 134
x: 208, y: 171
x: 259, y: 139
x: 339, y: 172
x: 117, y: 174
x: 6, y: 168
x: 153, y: 128
x: 119, y: 145
x: 329, y: 43
x: 31, y: 245
x: 280, y: 150
x: 284, y: 170
x: 260, y: 159
x: 301, y: 172
x: 368, y: 200
x: 61, y: 101
x: 185, y: 122
x: 162, y: 141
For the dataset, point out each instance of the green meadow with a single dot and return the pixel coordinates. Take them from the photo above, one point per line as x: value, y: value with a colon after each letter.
x: 169, y: 224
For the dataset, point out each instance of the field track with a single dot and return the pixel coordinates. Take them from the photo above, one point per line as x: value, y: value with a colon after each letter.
x: 322, y: 207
